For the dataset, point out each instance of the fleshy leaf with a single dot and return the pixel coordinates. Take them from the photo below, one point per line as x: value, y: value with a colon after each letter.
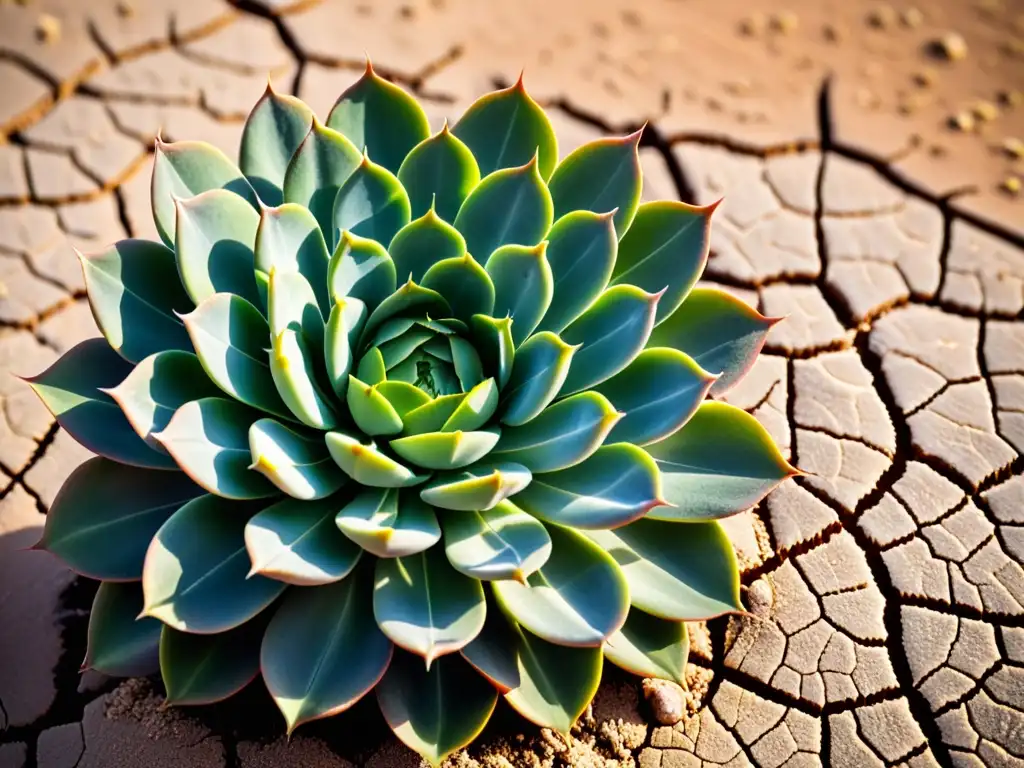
x: 380, y: 118
x: 581, y: 251
x: 403, y: 397
x: 136, y: 297
x: 387, y: 522
x: 476, y: 408
x: 157, y: 387
x: 410, y: 298
x: 120, y: 644
x: 367, y: 465
x: 298, y: 543
x: 538, y: 373
x: 230, y: 337
x: 579, y: 597
x: 493, y: 339
x: 371, y: 368
x: 425, y: 606
x: 343, y: 329
x: 506, y: 128
x: 105, y: 515
x: 203, y: 669
x: 465, y: 285
x: 612, y: 333
x: 523, y: 286
x: 371, y: 203
x: 432, y: 415
x: 209, y: 439
x: 370, y: 410
x: 562, y: 435
x: 438, y: 174
x: 311, y: 644
x: 214, y: 241
x: 665, y: 249
x: 361, y: 269
x: 499, y: 543
x: 445, y: 450
x: 658, y: 392
x: 600, y: 176
x: 198, y: 583
x: 321, y: 164
x: 293, y: 367
x: 722, y: 462
x: 292, y: 305
x: 73, y: 389
x: 435, y: 711
x: 479, y: 487
x: 422, y: 243
x: 721, y: 333
x: 469, y: 368
x: 298, y: 465
x: 273, y: 131
x: 289, y: 238
x: 511, y: 206
x: 184, y: 169
x: 617, y: 484
x: 650, y: 647
x: 675, y: 571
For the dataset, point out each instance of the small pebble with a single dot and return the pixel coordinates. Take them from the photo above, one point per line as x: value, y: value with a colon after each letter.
x: 912, y: 102
x: 1011, y: 98
x: 785, y: 22
x: 666, y: 699
x: 924, y: 78
x: 952, y: 46
x: 962, y: 121
x: 1011, y: 185
x: 831, y: 33
x: 760, y: 598
x: 48, y: 28
x: 1013, y: 147
x: 985, y: 110
x: 753, y: 25
x: 912, y: 18
x: 125, y: 9
x: 882, y: 17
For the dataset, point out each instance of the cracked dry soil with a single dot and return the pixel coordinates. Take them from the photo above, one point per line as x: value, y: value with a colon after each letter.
x: 890, y: 580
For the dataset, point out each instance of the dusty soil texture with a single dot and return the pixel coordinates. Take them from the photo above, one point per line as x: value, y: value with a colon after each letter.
x: 871, y: 157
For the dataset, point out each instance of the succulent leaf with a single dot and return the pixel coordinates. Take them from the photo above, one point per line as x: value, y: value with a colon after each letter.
x: 343, y: 329
x: 203, y: 669
x: 409, y: 298
x: 371, y: 411
x: 289, y: 239
x: 371, y: 368
x: 498, y: 543
x: 438, y: 174
x: 421, y: 243
x: 367, y: 465
x: 464, y: 284
x: 136, y: 297
x: 478, y: 487
x: 119, y: 643
x: 475, y: 409
x: 493, y: 339
x: 650, y: 647
x: 360, y: 268
x: 293, y: 362
x: 274, y: 130
x: 538, y: 373
x: 297, y: 464
x: 445, y: 450
x: 371, y: 203
x: 523, y: 286
x: 292, y: 305
x: 198, y: 583
x: 389, y: 523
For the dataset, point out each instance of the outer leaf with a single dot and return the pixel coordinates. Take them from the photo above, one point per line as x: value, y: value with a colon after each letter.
x: 136, y: 297
x: 465, y: 285
x: 579, y: 597
x: 198, y: 583
x: 476, y: 408
x: 388, y: 523
x: 424, y: 242
x: 321, y: 164
x: 371, y: 411
x: 499, y: 543
x: 292, y: 305
x: 721, y: 333
x: 120, y: 644
x: 506, y: 128
x: 650, y: 647
x: 381, y: 118
x: 289, y: 239
x: 658, y: 392
x: 563, y: 435
x: 600, y: 176
x: 298, y: 543
x: 494, y: 343
x: 184, y: 169
x: 680, y: 573
x: 371, y: 203
x: 666, y: 249
x: 523, y: 286
x: 298, y: 465
x: 105, y: 515
x: 541, y: 365
x: 203, y: 669
x: 342, y: 332
x: 157, y: 387
x: 293, y: 367
x: 367, y: 465
x: 438, y: 710
x: 309, y: 648
x: 445, y: 450
x: 613, y: 332
x: 509, y: 207
x: 425, y: 606
x: 274, y: 130
x: 209, y: 440
x: 230, y: 337
x: 73, y: 389
x: 361, y: 269
x: 581, y: 251
x: 722, y: 462
x: 479, y: 487
x: 214, y: 241
x: 438, y: 173
x: 618, y: 484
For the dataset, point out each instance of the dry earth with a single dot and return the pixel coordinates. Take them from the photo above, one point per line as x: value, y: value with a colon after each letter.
x: 869, y: 176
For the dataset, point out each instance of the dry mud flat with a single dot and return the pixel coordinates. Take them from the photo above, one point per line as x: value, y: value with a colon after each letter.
x: 888, y: 584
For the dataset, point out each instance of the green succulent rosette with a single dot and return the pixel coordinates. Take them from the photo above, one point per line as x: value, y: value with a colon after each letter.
x: 420, y: 413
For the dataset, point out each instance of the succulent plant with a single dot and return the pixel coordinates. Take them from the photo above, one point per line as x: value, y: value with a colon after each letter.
x: 420, y: 413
